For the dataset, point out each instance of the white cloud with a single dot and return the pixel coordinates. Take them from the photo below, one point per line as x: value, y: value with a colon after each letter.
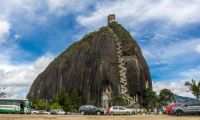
x: 4, y: 30
x: 16, y: 91
x: 180, y: 12
x: 58, y: 5
x: 180, y: 48
x: 193, y: 73
x: 20, y: 77
x: 176, y: 86
x: 33, y: 12
x: 63, y: 7
x: 167, y: 53
x: 198, y: 48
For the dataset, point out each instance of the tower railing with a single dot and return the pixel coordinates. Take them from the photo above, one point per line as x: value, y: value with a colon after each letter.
x: 123, y: 85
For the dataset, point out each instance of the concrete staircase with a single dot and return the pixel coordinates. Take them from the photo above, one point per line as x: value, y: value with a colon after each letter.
x: 122, y: 72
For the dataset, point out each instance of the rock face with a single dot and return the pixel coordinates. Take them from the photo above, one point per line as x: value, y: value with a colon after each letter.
x: 91, y: 65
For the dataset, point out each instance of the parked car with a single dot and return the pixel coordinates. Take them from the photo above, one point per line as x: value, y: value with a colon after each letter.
x: 121, y: 110
x: 169, y: 108
x: 90, y: 109
x: 187, y: 108
x: 44, y: 112
x: 34, y: 111
x: 57, y: 111
x: 163, y: 109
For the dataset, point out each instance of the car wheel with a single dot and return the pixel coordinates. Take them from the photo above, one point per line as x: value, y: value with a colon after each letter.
x: 127, y: 113
x: 112, y: 113
x: 98, y: 113
x: 82, y: 113
x: 179, y: 112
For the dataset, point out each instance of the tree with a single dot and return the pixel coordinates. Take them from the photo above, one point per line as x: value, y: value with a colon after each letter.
x: 40, y: 104
x: 166, y: 97
x: 150, y: 99
x: 55, y: 105
x: 194, y: 88
x: 75, y: 100
x: 64, y: 100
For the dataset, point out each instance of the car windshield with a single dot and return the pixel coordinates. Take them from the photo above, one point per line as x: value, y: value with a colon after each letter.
x: 92, y: 106
x: 61, y: 110
x: 122, y: 108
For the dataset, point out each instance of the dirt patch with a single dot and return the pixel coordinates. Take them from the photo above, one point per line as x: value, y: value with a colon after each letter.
x: 91, y: 117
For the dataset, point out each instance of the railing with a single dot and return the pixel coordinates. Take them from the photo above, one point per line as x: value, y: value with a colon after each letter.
x: 122, y: 71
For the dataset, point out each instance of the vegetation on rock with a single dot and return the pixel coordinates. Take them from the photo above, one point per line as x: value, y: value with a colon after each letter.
x: 63, y: 100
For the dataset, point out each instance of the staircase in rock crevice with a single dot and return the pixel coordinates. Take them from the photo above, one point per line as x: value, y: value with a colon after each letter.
x: 122, y: 72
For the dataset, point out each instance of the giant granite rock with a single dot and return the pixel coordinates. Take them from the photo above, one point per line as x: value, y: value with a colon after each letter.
x: 91, y: 64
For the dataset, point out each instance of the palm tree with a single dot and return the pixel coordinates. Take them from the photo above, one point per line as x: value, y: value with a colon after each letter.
x: 194, y: 87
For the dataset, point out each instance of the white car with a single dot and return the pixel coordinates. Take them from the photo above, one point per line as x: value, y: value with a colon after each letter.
x: 121, y: 110
x: 34, y: 111
x: 57, y: 111
x: 44, y: 112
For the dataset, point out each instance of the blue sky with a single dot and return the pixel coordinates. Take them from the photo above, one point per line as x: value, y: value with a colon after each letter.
x: 33, y: 33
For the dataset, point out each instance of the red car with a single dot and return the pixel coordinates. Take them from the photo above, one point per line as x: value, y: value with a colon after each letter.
x: 169, y: 108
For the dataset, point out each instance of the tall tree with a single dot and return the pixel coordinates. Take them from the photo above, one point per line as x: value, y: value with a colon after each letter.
x: 64, y: 100
x: 40, y: 104
x: 75, y: 100
x: 166, y: 97
x: 194, y: 88
x: 55, y: 105
x: 150, y: 99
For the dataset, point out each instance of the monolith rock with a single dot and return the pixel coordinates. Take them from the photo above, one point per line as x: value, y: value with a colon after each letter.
x: 104, y: 66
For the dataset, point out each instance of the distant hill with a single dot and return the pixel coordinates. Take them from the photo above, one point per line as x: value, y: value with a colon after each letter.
x: 181, y: 99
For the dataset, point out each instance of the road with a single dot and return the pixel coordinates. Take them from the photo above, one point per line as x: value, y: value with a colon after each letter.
x: 91, y: 117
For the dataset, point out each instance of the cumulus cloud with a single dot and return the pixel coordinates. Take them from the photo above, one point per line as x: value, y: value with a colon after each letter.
x: 4, y: 30
x: 14, y: 7
x: 17, y: 79
x: 193, y: 73
x: 63, y: 7
x: 198, y: 48
x: 167, y: 53
x: 181, y: 12
x: 16, y: 91
x: 177, y: 86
